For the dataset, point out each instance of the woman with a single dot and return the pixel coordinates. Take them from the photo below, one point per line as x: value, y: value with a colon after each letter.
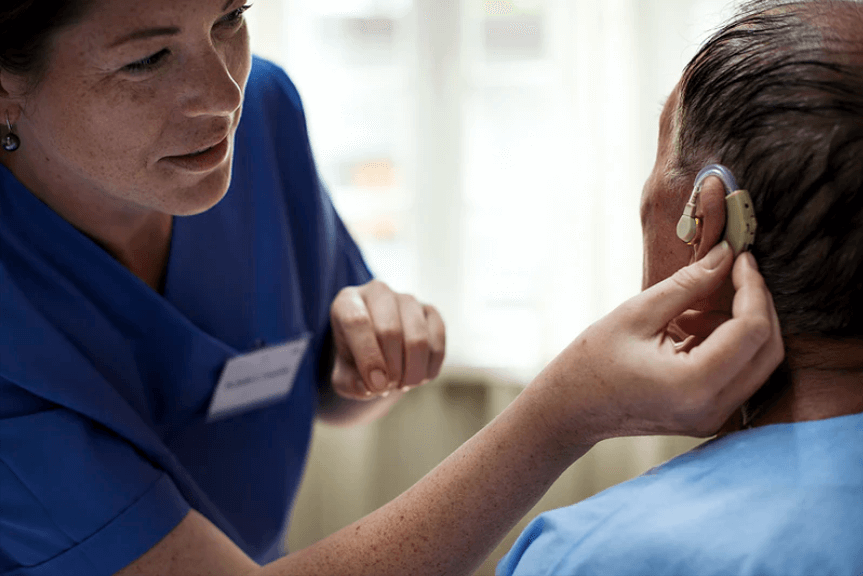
x: 159, y: 375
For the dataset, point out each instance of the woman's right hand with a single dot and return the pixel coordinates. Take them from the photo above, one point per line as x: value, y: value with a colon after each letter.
x: 621, y: 376
x: 625, y: 375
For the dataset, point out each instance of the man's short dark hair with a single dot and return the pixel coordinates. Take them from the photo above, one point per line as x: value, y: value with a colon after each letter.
x: 777, y: 96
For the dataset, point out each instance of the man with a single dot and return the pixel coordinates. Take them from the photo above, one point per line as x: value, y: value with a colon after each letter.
x: 777, y: 97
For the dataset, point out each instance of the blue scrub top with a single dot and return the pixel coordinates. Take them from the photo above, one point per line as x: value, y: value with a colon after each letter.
x: 105, y: 384
x: 783, y: 500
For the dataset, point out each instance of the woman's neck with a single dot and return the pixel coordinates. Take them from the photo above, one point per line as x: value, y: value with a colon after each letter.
x: 144, y: 251
x: 139, y: 239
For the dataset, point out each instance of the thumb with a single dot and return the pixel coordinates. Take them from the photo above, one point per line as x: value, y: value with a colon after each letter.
x: 661, y: 303
x: 347, y: 380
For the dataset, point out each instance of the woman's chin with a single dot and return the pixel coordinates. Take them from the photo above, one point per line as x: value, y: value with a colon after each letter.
x: 202, y: 196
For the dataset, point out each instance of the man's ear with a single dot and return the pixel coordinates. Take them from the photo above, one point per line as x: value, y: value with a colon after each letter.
x: 710, y: 213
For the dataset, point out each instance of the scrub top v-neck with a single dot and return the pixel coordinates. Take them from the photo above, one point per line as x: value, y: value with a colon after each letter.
x: 105, y: 385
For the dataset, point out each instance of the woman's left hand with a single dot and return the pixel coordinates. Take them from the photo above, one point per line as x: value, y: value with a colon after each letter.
x: 384, y: 341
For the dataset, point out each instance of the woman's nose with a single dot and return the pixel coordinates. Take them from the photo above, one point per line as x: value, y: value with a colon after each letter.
x: 210, y: 87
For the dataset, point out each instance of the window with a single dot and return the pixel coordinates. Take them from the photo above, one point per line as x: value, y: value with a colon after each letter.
x: 488, y: 155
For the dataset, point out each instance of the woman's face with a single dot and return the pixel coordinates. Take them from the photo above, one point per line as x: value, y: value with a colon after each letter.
x: 132, y: 93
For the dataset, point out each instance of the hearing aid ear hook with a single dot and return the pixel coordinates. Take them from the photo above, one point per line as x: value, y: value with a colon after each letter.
x: 740, y: 221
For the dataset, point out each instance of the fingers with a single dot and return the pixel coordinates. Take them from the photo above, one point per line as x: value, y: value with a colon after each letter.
x: 741, y: 353
x: 437, y: 340
x: 735, y: 342
x: 388, y: 327
x: 425, y: 342
x: 360, y: 366
x: 755, y: 327
x: 347, y: 380
x: 416, y: 341
x: 653, y: 309
x: 638, y: 382
x: 384, y: 339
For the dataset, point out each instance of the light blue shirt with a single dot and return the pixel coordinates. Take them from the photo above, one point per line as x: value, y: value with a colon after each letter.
x: 105, y: 384
x: 778, y: 500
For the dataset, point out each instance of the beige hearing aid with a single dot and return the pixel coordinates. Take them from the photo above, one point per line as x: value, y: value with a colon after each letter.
x: 740, y: 221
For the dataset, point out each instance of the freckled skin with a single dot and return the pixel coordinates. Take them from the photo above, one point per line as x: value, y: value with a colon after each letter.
x: 93, y: 134
x: 92, y: 143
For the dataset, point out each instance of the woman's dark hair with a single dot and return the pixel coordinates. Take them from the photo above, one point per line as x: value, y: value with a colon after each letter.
x: 27, y: 28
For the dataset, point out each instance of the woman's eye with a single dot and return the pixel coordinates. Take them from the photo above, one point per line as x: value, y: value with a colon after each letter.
x: 235, y: 18
x: 147, y: 64
x: 231, y: 20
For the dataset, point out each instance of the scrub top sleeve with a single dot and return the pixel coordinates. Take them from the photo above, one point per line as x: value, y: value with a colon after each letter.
x: 76, y: 498
x: 335, y: 253
x: 328, y: 258
x: 352, y: 269
x: 350, y: 266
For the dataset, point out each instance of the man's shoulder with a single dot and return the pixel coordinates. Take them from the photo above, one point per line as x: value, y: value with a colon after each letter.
x: 757, y: 499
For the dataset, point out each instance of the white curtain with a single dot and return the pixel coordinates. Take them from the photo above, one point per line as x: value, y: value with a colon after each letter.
x: 488, y: 155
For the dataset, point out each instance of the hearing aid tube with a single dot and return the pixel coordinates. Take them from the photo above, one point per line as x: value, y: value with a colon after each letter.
x: 740, y: 221
x: 720, y: 172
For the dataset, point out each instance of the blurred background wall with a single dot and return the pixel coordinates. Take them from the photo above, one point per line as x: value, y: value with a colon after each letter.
x: 488, y: 156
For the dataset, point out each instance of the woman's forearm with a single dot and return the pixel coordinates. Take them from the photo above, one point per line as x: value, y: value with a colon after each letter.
x: 622, y: 376
x: 454, y: 517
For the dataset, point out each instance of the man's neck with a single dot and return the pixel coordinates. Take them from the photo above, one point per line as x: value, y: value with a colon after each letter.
x: 815, y: 395
x: 820, y: 378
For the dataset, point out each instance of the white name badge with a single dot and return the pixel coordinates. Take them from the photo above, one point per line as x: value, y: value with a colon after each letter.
x: 257, y: 379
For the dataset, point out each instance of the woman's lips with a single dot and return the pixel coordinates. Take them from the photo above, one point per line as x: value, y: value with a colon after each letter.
x: 203, y: 161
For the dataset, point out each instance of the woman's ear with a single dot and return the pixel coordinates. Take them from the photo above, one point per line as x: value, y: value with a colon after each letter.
x: 5, y: 80
x: 710, y: 215
x: 13, y: 88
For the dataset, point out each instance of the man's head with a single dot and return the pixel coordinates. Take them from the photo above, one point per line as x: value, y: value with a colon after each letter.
x: 776, y: 96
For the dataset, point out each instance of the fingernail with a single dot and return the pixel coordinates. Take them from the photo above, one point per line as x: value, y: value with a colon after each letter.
x: 360, y: 385
x: 379, y: 380
x: 715, y: 257
x: 385, y: 394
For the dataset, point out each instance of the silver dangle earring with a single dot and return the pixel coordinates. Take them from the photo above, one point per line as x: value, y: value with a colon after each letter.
x: 10, y: 141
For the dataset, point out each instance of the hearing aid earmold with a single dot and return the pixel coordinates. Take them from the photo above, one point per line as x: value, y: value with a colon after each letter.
x: 740, y: 223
